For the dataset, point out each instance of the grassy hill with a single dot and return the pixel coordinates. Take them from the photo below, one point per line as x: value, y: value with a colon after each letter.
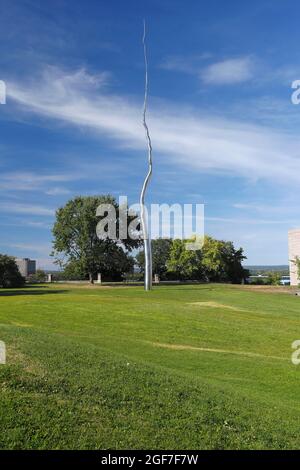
x: 180, y: 367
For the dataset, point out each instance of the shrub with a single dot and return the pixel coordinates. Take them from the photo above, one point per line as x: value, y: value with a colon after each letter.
x: 10, y: 275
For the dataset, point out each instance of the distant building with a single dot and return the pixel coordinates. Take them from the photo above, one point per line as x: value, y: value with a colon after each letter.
x: 26, y: 266
x: 294, y: 252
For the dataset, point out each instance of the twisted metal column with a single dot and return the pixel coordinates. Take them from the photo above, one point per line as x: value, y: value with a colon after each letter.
x: 147, y: 239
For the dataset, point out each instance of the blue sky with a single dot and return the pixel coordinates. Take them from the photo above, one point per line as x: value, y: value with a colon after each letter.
x: 224, y: 130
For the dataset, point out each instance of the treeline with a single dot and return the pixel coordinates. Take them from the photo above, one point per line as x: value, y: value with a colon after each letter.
x: 216, y: 261
x: 81, y: 253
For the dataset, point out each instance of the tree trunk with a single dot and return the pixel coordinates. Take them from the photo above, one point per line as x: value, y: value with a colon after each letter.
x: 91, y: 278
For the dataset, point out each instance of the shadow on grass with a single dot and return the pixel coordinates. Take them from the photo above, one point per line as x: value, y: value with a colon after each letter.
x: 184, y: 287
x: 13, y: 292
x: 35, y: 286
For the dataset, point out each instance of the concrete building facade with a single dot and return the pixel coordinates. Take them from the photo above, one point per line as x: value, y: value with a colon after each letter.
x: 294, y: 252
x: 26, y: 266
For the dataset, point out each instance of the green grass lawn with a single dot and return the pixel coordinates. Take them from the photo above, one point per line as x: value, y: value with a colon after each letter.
x: 204, y: 367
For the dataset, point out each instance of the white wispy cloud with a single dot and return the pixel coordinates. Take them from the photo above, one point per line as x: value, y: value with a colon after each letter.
x: 30, y: 209
x: 232, y: 70
x: 28, y: 181
x: 263, y: 243
x: 188, y: 139
x: 57, y: 191
x: 254, y: 221
x: 44, y: 248
x: 282, y: 207
x: 229, y: 71
x: 185, y: 64
x: 38, y: 224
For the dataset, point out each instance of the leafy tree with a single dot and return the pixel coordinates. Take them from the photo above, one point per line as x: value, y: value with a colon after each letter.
x: 115, y: 263
x: 222, y: 263
x: 212, y: 259
x: 118, y: 263
x: 76, y: 244
x: 10, y: 275
x: 235, y: 271
x: 40, y: 275
x: 274, y: 278
x: 72, y: 271
x: 160, y: 256
x: 217, y: 261
x: 184, y: 264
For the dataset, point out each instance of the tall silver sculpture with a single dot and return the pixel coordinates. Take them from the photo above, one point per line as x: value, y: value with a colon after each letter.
x: 146, y: 237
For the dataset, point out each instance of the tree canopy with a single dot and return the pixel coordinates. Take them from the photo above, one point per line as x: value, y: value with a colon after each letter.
x: 222, y: 262
x: 216, y: 261
x: 10, y: 275
x: 184, y: 264
x: 160, y: 255
x: 77, y: 247
x: 82, y: 254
